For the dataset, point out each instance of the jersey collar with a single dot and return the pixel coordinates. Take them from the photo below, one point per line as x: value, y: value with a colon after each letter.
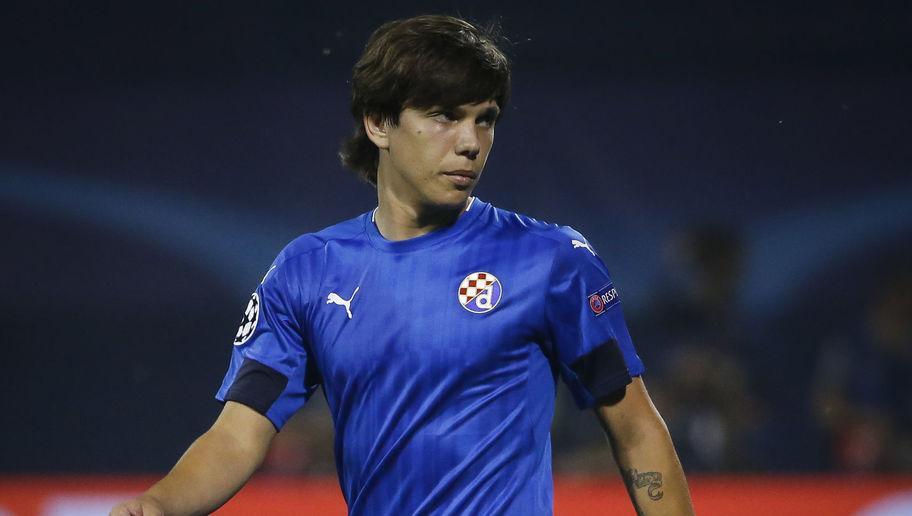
x: 473, y: 211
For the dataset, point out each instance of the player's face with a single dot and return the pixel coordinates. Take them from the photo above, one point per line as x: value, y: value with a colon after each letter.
x: 436, y: 155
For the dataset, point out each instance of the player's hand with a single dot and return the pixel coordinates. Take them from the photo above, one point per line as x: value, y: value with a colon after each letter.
x: 139, y: 506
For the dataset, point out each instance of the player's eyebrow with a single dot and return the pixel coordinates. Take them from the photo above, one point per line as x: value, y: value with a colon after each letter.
x: 490, y: 114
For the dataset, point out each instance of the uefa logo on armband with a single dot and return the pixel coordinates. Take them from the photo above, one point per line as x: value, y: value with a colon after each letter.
x: 603, y: 299
x: 480, y: 292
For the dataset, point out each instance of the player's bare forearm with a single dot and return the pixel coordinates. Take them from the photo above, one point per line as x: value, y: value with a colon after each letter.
x: 653, y: 476
x: 209, y: 473
x: 644, y: 452
x: 212, y: 469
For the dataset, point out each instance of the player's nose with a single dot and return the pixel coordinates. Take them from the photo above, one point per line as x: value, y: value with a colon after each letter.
x: 467, y: 143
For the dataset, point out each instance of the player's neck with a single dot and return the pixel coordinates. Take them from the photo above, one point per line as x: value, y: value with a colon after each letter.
x: 400, y: 220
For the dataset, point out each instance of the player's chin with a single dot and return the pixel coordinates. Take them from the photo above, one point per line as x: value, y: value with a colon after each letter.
x: 453, y: 199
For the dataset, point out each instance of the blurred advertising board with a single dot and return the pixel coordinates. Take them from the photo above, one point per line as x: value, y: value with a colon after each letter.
x: 779, y: 495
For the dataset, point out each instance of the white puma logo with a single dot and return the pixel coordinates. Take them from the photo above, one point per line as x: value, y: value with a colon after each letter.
x: 336, y: 299
x: 577, y: 244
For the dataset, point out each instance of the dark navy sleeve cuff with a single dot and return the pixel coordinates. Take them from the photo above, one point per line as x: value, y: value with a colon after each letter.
x: 603, y: 370
x: 257, y: 386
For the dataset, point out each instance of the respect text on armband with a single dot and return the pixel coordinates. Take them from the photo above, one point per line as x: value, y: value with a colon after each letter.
x: 603, y: 299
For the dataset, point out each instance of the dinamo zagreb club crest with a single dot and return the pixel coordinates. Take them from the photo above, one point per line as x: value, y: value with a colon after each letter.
x: 480, y: 292
x: 249, y: 322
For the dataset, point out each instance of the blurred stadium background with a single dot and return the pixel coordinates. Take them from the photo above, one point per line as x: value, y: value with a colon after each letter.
x: 744, y: 170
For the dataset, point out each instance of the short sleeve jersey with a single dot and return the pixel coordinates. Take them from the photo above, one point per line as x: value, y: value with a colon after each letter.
x: 438, y: 355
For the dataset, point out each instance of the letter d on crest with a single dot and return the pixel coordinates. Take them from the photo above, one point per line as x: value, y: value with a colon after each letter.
x: 483, y: 300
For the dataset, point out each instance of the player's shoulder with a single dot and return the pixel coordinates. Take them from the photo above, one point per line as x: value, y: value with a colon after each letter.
x: 566, y: 248
x: 531, y: 227
x: 308, y: 243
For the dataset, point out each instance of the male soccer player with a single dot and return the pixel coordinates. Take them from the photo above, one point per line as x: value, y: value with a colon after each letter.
x: 436, y: 324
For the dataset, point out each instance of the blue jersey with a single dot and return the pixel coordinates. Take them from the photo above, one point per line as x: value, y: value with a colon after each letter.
x: 438, y: 355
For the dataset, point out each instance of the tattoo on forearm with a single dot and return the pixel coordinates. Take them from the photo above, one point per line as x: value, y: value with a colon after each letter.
x: 652, y: 480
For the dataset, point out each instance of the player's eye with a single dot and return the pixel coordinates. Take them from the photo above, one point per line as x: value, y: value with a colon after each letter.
x: 444, y: 116
x: 487, y: 118
x: 486, y: 121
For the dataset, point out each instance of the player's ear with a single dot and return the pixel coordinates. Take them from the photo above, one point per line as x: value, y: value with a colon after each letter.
x: 376, y: 128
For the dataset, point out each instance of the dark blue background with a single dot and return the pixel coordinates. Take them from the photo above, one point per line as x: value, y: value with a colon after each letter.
x: 154, y: 158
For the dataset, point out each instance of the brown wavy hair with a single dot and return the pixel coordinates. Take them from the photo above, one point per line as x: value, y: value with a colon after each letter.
x: 422, y: 62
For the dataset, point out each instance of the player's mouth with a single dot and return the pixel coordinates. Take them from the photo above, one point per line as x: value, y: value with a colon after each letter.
x: 461, y: 178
